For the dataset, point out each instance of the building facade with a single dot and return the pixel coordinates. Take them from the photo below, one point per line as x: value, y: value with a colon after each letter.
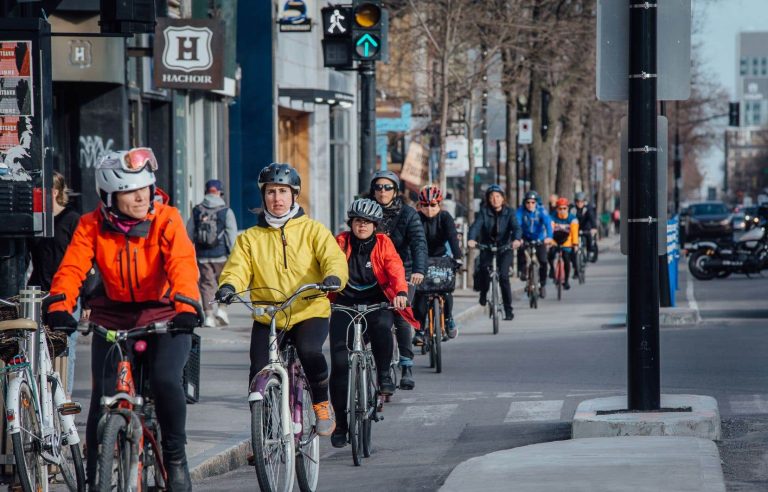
x: 752, y: 78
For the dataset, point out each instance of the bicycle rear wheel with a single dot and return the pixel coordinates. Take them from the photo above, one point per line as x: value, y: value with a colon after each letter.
x: 27, y: 445
x: 272, y: 448
x: 559, y: 276
x: 356, y: 409
x: 581, y: 265
x: 308, y: 448
x: 429, y: 342
x: 71, y: 465
x: 437, y: 334
x: 152, y: 479
x: 495, y: 304
x: 116, y: 472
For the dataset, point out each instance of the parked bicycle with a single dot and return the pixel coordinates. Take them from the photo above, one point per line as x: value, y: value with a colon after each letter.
x: 130, y: 456
x: 362, y: 383
x: 284, y: 440
x: 495, y: 305
x: 39, y: 415
x: 532, y: 273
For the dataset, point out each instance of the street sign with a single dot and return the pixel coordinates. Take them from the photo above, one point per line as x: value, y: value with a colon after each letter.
x: 673, y: 50
x: 662, y: 157
x: 525, y: 131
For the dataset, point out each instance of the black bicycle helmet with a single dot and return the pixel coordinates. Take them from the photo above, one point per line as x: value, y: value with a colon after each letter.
x: 531, y: 195
x: 367, y: 209
x: 494, y: 188
x: 280, y: 173
x: 386, y: 175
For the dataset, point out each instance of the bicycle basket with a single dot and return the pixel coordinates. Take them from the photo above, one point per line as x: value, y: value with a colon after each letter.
x: 191, y: 378
x: 560, y: 237
x: 57, y: 344
x: 9, y: 312
x: 440, y: 277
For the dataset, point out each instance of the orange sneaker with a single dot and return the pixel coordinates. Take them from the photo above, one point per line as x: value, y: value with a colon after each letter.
x: 326, y: 420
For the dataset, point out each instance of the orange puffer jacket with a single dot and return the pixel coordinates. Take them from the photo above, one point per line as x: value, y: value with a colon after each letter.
x: 152, y: 260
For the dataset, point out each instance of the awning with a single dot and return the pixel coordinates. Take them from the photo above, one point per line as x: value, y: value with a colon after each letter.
x: 318, y: 96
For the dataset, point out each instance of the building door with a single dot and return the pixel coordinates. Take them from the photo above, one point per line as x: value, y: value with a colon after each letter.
x: 293, y: 148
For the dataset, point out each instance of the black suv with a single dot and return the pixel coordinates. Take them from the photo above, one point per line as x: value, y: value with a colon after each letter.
x: 705, y: 220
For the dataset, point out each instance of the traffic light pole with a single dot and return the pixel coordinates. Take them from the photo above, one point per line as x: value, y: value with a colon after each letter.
x: 644, y: 392
x: 678, y: 161
x: 367, y: 70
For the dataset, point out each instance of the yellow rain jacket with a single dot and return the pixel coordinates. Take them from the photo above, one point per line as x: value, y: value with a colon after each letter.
x: 279, y: 261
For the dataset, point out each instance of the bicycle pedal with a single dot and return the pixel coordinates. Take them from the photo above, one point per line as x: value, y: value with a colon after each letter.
x: 70, y: 408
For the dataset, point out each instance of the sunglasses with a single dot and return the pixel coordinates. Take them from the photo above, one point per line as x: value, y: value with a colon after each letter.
x: 562, y: 208
x: 383, y: 187
x: 133, y: 161
x: 432, y: 205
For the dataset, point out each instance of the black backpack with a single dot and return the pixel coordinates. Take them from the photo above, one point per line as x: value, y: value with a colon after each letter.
x: 207, y: 226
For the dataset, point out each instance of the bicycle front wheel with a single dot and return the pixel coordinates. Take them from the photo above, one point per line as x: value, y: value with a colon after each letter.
x: 116, y: 471
x: 308, y: 448
x: 356, y: 410
x: 71, y: 464
x: 495, y: 305
x: 371, y: 394
x: 272, y: 449
x: 437, y: 337
x: 26, y: 443
x: 559, y: 277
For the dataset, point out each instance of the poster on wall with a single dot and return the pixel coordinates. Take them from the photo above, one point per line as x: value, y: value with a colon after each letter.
x: 16, y: 110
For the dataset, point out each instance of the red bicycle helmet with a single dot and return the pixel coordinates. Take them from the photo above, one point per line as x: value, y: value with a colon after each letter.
x: 430, y: 193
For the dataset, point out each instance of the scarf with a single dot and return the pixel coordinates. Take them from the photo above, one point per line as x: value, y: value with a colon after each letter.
x: 121, y: 221
x: 278, y: 222
x: 390, y: 215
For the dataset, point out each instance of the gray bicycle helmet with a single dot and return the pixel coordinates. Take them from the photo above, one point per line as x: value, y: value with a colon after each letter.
x: 580, y: 196
x: 386, y: 175
x: 367, y: 209
x: 280, y: 173
x: 494, y: 188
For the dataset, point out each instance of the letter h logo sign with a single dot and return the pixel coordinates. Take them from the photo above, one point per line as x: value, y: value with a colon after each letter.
x: 188, y: 48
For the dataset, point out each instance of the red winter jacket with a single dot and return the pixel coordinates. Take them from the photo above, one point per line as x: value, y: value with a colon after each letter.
x: 387, y: 267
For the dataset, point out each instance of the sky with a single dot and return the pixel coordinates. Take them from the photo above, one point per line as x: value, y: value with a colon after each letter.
x: 720, y: 22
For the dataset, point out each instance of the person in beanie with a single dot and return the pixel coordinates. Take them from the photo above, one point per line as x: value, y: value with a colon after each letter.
x: 213, y: 229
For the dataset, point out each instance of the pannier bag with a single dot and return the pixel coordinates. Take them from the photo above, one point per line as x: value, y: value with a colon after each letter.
x: 440, y: 277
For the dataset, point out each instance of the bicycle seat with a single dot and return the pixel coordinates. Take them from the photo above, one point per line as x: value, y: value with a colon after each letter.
x: 18, y: 324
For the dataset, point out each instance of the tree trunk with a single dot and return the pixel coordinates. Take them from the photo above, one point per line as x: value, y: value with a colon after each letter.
x: 444, y: 105
x: 469, y: 120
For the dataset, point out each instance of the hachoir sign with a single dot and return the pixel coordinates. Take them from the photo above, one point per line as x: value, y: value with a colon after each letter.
x: 189, y: 54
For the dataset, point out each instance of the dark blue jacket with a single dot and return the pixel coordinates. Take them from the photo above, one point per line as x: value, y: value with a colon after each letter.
x: 492, y: 228
x: 536, y: 225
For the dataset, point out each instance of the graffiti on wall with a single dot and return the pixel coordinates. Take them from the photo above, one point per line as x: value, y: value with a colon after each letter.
x: 91, y: 150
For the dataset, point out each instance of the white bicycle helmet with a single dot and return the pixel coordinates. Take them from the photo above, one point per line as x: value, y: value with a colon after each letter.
x: 365, y: 209
x: 125, y: 170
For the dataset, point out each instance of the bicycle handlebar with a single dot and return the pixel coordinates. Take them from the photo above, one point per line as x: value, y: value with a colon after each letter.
x: 494, y: 249
x: 272, y: 308
x: 361, y: 308
x: 113, y: 336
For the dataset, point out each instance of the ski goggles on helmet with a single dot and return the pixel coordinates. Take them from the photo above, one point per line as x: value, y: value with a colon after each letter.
x: 132, y: 161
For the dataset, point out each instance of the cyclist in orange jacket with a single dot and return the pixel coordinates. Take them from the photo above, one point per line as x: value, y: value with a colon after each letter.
x: 145, y: 258
x: 565, y: 231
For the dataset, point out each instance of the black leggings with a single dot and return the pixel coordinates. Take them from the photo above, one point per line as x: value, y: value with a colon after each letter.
x: 165, y: 358
x: 503, y: 264
x: 308, y: 337
x: 377, y: 332
x: 420, y: 307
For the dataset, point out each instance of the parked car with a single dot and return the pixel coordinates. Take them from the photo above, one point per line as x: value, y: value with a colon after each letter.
x: 706, y: 220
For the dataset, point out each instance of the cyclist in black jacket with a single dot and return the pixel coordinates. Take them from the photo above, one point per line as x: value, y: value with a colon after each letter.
x: 439, y: 229
x: 401, y: 223
x: 495, y: 224
x: 587, y: 222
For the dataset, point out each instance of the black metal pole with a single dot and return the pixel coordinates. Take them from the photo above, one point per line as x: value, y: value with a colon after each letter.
x: 678, y: 162
x: 642, y: 223
x: 367, y: 72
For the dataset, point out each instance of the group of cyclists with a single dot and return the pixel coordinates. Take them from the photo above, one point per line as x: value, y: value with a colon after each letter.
x: 145, y: 257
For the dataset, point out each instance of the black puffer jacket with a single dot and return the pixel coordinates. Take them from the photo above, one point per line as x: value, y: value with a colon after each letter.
x: 406, y: 232
x: 499, y: 228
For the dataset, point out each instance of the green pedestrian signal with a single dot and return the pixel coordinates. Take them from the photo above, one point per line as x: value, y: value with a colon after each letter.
x: 367, y: 29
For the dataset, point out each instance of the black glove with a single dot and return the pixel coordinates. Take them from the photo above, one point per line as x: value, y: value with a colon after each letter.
x: 185, y: 322
x: 332, y: 282
x: 62, y: 321
x: 225, y: 294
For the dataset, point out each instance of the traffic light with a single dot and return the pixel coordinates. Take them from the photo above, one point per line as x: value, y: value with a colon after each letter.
x: 367, y: 30
x: 337, y: 36
x: 733, y: 114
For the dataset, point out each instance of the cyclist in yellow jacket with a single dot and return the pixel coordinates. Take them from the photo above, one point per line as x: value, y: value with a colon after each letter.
x: 565, y: 232
x: 285, y: 250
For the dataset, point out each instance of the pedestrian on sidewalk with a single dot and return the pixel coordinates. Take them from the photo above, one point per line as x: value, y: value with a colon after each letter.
x: 46, y: 254
x: 283, y: 251
x: 495, y: 225
x: 213, y: 229
x: 401, y: 223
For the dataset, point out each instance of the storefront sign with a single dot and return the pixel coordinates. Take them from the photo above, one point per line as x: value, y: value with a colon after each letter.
x: 294, y: 16
x: 189, y: 54
x: 415, y: 170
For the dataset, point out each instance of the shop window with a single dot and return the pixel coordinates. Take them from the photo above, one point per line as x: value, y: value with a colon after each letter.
x: 340, y: 173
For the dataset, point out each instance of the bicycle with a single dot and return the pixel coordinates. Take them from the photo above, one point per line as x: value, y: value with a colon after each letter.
x: 130, y: 456
x: 559, y: 273
x: 532, y: 271
x: 362, y: 385
x: 435, y: 330
x: 582, y: 257
x: 38, y: 413
x: 494, y: 303
x: 282, y: 419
